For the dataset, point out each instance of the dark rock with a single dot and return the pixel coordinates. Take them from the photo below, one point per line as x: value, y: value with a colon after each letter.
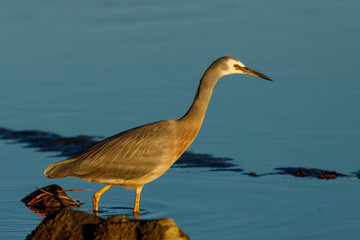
x: 70, y: 224
x: 66, y: 224
x: 120, y: 227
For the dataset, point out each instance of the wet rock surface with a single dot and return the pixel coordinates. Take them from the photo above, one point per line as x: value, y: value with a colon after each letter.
x: 70, y: 224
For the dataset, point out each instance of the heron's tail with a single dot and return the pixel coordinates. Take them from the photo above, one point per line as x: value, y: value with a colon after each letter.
x: 60, y: 169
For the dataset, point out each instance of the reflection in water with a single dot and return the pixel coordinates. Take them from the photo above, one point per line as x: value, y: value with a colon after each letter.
x: 135, y: 214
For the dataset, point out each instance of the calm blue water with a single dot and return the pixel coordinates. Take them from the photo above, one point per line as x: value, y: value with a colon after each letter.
x: 101, y: 67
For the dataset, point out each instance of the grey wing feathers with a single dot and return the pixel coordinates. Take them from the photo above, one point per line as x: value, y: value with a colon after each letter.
x: 59, y: 169
x: 127, y: 155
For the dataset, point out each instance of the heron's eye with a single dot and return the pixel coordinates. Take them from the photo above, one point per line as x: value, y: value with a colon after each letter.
x: 236, y: 66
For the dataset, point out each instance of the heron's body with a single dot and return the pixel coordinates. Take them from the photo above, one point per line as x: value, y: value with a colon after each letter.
x: 140, y: 155
x: 131, y: 158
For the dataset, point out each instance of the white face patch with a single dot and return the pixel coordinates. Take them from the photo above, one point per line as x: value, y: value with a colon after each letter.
x: 230, y: 67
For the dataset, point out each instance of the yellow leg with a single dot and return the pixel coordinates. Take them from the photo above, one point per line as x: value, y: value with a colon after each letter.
x: 97, y: 196
x: 137, y: 202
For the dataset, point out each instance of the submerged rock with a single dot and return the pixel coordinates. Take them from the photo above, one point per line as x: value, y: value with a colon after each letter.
x: 71, y: 224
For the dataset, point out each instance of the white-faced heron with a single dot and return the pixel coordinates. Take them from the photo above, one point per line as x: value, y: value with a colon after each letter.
x: 140, y: 155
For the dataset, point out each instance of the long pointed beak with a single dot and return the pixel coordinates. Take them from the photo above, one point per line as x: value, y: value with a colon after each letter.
x: 254, y: 73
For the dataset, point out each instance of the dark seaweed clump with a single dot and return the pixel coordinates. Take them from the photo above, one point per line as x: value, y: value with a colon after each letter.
x: 47, y: 199
x: 310, y: 172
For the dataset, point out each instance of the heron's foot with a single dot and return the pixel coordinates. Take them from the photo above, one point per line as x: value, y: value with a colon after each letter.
x: 136, y: 215
x: 96, y: 213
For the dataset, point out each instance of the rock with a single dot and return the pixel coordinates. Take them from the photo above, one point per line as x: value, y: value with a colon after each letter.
x: 66, y: 224
x: 70, y: 224
x: 120, y: 227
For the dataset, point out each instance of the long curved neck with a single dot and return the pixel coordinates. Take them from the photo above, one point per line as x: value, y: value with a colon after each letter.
x: 189, y: 125
x: 196, y: 113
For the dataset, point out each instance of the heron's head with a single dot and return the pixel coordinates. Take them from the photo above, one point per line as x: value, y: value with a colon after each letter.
x: 230, y: 65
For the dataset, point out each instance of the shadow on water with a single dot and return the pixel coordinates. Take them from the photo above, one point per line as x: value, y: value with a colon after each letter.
x: 71, y: 146
x: 88, y: 225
